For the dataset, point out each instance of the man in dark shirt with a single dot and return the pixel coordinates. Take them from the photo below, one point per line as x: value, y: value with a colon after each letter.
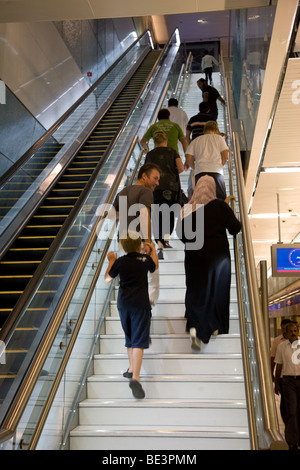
x: 196, y: 123
x: 210, y: 95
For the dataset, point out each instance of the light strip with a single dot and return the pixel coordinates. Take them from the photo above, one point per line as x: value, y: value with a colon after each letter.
x: 282, y: 169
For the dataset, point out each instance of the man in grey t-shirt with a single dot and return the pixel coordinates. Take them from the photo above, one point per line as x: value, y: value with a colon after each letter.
x: 133, y: 203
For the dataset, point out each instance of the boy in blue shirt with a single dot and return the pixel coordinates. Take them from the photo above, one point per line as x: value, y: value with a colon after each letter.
x: 133, y: 301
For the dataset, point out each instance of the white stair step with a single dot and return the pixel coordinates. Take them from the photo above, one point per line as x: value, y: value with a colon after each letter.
x: 161, y: 325
x: 167, y: 308
x: 171, y: 364
x: 163, y: 412
x: 175, y: 387
x: 173, y: 343
x: 181, y: 437
x: 177, y: 293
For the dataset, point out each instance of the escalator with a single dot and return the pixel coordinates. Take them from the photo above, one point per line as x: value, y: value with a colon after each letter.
x: 24, y: 256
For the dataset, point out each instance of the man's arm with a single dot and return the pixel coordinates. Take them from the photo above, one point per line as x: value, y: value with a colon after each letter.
x: 277, y: 377
x: 224, y: 156
x: 189, y: 161
x: 144, y: 144
x: 222, y: 100
x: 184, y: 143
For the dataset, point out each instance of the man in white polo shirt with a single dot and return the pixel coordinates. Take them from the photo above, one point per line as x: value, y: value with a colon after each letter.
x: 288, y: 365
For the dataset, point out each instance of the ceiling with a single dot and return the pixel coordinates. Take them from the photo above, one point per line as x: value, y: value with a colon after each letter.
x: 263, y: 190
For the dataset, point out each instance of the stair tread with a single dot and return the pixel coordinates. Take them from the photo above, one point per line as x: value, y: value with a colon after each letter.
x: 171, y: 378
x: 163, y: 431
x: 167, y: 403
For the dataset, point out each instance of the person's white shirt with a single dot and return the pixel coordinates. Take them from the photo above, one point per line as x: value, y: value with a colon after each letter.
x: 288, y: 354
x: 179, y: 116
x: 206, y: 151
x: 208, y: 61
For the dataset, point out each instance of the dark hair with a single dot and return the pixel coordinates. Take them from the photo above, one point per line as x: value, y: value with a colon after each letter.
x: 163, y: 114
x: 148, y: 168
x: 203, y: 107
x: 173, y: 102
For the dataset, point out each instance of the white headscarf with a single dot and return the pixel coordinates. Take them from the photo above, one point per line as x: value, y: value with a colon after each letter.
x: 204, y: 192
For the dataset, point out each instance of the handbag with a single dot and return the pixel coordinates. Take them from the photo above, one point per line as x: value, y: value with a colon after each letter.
x: 182, y: 198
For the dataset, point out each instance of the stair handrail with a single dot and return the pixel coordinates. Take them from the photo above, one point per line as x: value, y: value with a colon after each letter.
x: 263, y: 358
x: 271, y: 426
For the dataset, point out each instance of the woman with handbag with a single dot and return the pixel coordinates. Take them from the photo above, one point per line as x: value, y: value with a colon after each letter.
x: 207, y: 265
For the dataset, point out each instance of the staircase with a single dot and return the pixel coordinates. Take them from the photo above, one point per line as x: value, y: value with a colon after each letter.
x: 193, y: 400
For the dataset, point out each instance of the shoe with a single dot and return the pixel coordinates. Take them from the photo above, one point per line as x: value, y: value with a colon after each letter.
x: 127, y: 374
x: 195, y: 342
x: 160, y: 253
x: 166, y: 244
x: 137, y: 389
x: 215, y: 333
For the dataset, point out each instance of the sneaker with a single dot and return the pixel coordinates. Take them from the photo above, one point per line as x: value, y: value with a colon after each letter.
x: 127, y: 374
x: 137, y: 389
x: 160, y: 253
x: 195, y: 342
x: 167, y: 244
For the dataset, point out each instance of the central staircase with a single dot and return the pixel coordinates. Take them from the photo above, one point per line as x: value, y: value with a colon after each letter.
x: 194, y: 400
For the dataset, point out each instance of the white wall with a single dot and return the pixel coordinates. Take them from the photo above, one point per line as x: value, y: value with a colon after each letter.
x: 38, y: 68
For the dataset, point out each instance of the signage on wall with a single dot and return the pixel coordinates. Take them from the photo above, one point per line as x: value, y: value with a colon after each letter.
x: 285, y: 259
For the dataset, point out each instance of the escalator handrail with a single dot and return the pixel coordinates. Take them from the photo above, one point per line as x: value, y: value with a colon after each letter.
x: 14, y: 414
x: 21, y: 161
x: 75, y: 279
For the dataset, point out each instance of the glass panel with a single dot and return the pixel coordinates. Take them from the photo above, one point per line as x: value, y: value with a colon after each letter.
x: 16, y: 192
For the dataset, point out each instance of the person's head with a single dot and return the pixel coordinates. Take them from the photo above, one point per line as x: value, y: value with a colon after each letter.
x: 149, y: 175
x: 204, y: 107
x: 163, y: 113
x: 201, y: 83
x: 292, y: 331
x: 160, y: 139
x: 205, y: 190
x: 211, y: 127
x: 131, y: 241
x: 173, y: 102
x: 283, y: 324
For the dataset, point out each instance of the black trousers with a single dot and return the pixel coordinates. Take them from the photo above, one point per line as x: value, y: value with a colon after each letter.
x: 291, y: 395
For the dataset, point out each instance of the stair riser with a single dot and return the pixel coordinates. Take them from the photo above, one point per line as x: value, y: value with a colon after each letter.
x: 160, y: 416
x: 125, y: 442
x: 221, y: 344
x: 165, y: 326
x: 175, y: 309
x: 168, y: 390
x: 171, y: 366
x: 177, y: 293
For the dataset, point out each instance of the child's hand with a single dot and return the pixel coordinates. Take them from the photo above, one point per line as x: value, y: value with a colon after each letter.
x: 111, y: 256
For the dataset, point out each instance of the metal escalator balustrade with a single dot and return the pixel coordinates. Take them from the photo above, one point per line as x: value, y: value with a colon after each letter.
x: 27, y: 252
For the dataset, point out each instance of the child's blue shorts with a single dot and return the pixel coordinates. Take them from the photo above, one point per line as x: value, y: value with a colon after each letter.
x: 136, y: 326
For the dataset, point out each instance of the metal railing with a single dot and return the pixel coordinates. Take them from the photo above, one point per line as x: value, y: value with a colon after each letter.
x: 262, y: 413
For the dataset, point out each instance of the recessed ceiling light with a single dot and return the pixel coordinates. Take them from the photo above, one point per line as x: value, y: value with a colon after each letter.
x: 282, y: 169
x: 202, y: 21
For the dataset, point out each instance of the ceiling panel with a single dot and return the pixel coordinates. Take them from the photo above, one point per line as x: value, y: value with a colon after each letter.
x: 284, y: 140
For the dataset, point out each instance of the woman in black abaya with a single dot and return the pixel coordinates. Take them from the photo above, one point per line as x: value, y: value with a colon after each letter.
x: 208, y: 269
